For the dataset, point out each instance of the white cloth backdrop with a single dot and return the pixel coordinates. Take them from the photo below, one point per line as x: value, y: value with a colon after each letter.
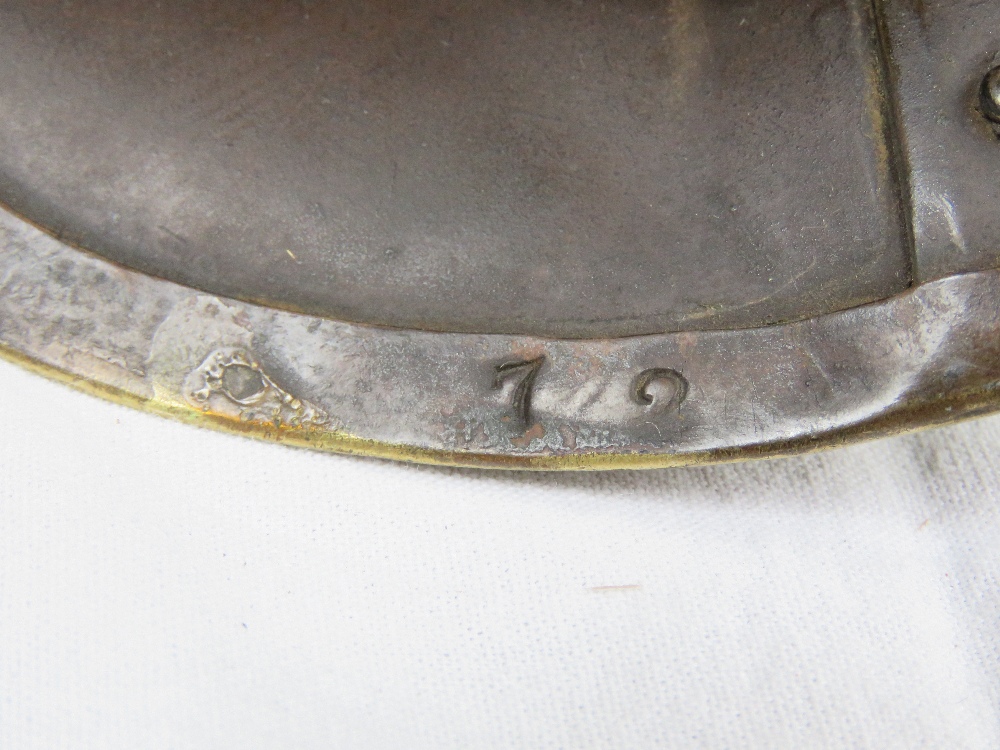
x: 163, y: 586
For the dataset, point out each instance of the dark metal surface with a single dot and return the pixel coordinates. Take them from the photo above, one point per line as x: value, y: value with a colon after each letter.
x: 941, y: 51
x: 794, y: 203
x: 569, y: 169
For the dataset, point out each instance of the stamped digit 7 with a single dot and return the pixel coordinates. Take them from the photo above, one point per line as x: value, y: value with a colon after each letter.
x: 524, y: 373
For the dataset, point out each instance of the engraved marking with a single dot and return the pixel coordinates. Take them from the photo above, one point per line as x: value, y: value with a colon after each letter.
x: 641, y: 394
x: 230, y: 382
x: 524, y: 373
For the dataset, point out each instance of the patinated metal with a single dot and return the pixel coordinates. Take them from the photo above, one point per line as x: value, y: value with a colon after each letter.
x: 515, y: 233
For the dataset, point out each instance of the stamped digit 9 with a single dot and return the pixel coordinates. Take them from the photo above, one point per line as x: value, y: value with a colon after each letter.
x: 641, y: 388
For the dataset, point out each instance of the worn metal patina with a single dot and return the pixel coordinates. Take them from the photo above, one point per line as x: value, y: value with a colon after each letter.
x: 510, y: 233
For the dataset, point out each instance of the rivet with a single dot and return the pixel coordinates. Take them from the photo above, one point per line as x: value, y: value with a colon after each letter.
x: 989, y: 96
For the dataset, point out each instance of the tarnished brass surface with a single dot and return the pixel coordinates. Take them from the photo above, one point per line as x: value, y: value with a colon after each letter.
x: 517, y: 234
